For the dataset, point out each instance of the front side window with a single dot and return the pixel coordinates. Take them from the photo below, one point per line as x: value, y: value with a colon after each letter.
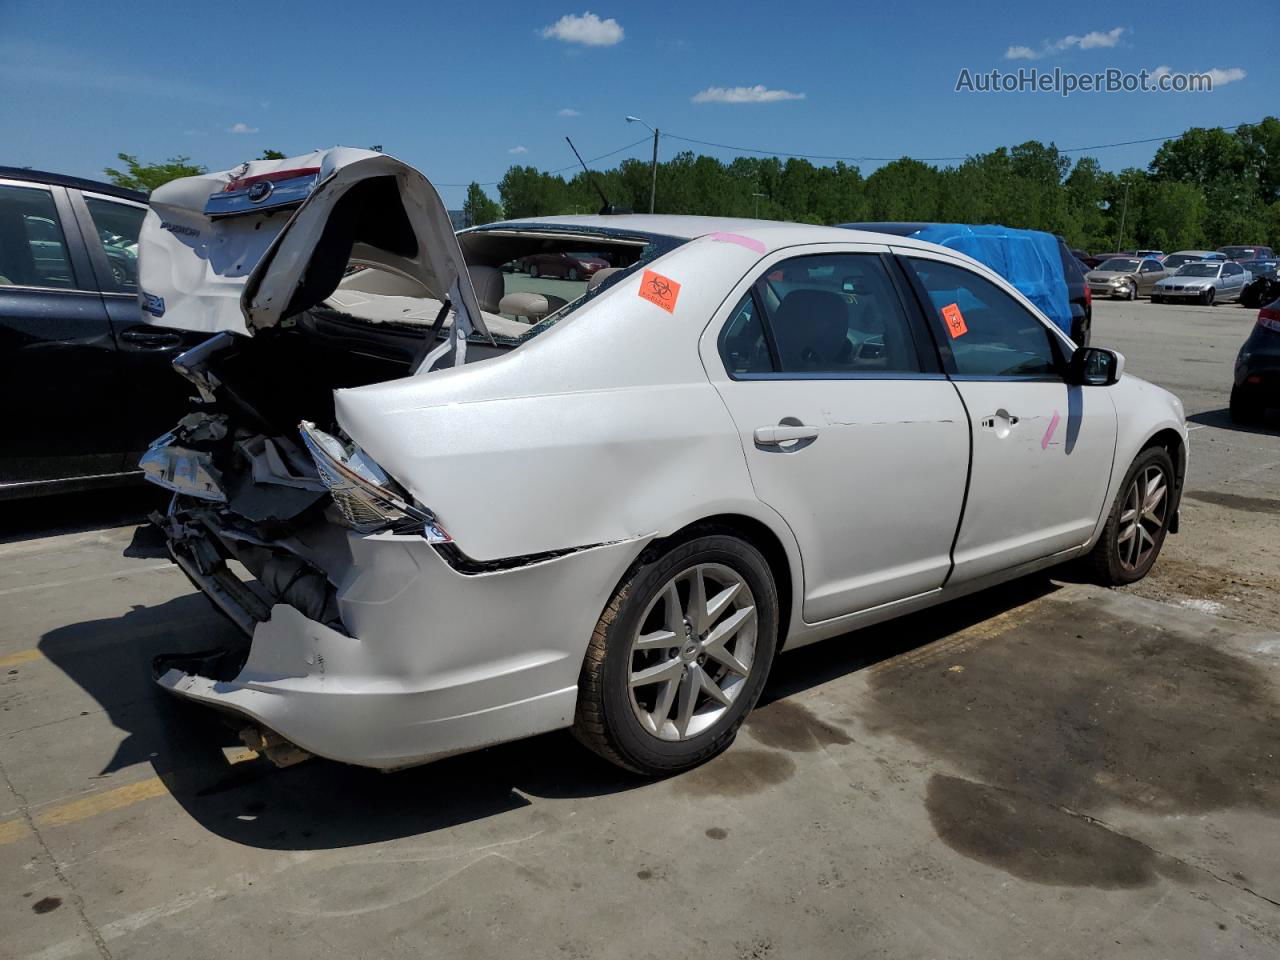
x: 989, y: 332
x: 117, y: 226
x: 1150, y: 266
x: 837, y: 314
x: 33, y: 250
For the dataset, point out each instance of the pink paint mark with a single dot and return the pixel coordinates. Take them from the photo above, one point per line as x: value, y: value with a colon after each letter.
x: 1048, y: 434
x: 740, y: 240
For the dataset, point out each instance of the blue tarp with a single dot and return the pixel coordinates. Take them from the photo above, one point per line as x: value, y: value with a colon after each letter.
x: 1028, y: 259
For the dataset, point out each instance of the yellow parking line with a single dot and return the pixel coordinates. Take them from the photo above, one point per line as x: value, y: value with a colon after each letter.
x: 82, y: 808
x: 22, y: 656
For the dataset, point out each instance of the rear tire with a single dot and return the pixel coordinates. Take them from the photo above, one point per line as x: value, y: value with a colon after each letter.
x: 649, y: 699
x: 1139, y: 520
x: 573, y: 273
x: 1245, y: 410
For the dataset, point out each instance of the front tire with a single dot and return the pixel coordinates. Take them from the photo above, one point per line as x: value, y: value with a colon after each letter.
x: 1206, y: 298
x: 679, y: 656
x: 1133, y: 291
x: 533, y: 271
x: 1139, y: 520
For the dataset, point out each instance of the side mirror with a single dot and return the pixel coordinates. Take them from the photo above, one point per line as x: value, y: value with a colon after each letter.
x: 1095, y: 367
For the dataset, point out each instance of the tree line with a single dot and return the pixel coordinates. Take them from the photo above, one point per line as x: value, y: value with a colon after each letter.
x: 1206, y: 188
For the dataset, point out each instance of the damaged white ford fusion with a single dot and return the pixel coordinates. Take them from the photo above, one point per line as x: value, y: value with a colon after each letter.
x: 451, y: 504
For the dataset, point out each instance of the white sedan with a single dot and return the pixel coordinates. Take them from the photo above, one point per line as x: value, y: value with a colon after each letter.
x: 451, y: 506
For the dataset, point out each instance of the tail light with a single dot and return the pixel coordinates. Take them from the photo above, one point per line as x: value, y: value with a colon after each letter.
x: 1088, y: 295
x: 276, y: 176
x: 367, y: 498
x: 1269, y: 317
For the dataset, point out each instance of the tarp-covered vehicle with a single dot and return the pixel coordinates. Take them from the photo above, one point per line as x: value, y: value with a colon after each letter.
x: 451, y: 505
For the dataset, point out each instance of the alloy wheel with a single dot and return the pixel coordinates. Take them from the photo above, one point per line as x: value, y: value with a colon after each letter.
x: 692, y: 652
x: 1142, y: 518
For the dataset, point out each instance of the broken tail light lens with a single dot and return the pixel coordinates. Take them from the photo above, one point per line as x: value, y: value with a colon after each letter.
x: 366, y: 497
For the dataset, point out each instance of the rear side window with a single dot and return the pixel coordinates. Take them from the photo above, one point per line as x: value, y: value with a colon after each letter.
x: 117, y: 226
x: 33, y: 249
x: 837, y: 314
x: 990, y: 334
x: 742, y: 343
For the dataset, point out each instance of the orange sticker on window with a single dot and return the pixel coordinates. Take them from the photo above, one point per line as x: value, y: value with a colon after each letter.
x: 954, y: 320
x: 661, y: 290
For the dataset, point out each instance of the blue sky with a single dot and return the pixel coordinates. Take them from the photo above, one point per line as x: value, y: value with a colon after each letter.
x: 463, y: 98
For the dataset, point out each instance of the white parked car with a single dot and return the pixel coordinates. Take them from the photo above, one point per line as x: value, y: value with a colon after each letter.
x: 442, y: 527
x: 1205, y: 282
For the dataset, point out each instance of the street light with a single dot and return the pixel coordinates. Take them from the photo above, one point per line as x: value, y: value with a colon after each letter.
x: 653, y: 167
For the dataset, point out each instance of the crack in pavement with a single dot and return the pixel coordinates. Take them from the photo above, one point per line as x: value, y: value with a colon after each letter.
x: 77, y: 902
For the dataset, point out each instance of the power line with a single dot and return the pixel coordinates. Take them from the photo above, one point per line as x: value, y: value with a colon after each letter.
x: 571, y: 166
x: 819, y: 156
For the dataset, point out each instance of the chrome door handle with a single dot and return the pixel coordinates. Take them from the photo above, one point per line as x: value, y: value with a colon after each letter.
x: 776, y: 436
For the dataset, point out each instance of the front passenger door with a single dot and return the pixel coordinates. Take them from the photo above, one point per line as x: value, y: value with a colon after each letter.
x: 1042, y: 450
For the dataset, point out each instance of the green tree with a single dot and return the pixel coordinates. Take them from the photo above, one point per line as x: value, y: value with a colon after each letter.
x: 272, y: 155
x: 148, y: 176
x: 478, y: 208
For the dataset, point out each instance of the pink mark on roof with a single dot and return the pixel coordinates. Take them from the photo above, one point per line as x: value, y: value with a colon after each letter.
x: 1048, y: 434
x: 740, y: 240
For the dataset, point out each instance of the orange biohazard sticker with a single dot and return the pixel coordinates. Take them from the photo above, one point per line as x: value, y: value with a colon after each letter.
x: 954, y: 320
x: 661, y: 290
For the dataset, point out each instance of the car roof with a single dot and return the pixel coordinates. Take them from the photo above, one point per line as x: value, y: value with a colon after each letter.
x: 774, y: 234
x: 79, y: 183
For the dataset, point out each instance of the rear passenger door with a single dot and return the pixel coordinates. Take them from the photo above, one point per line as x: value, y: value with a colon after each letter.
x: 1042, y: 450
x: 59, y: 374
x: 152, y: 396
x: 851, y: 432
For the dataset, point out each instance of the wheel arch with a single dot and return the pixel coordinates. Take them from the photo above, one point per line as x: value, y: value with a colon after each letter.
x: 755, y: 532
x: 1175, y: 445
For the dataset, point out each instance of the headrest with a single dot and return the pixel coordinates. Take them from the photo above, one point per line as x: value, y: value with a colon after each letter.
x: 812, y: 327
x: 489, y: 285
x: 600, y: 276
x: 534, y: 306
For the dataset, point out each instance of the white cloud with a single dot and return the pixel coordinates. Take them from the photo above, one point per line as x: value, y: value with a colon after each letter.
x: 1222, y: 77
x: 587, y: 29
x: 567, y: 112
x: 241, y: 128
x: 1093, y: 40
x: 757, y: 94
x: 518, y: 150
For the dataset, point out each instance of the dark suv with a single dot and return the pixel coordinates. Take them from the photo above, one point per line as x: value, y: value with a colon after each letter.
x: 1078, y: 296
x: 84, y: 383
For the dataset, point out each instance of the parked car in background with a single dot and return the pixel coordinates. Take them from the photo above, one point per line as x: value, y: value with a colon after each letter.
x: 1039, y: 264
x: 1247, y: 253
x: 1205, y: 281
x: 700, y: 418
x: 1153, y: 254
x: 1125, y: 277
x: 563, y: 264
x: 1263, y: 285
x: 1176, y: 259
x: 93, y: 383
x: 1097, y: 259
x: 1257, y: 372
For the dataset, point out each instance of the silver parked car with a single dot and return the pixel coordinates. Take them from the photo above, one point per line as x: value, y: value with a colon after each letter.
x: 748, y: 436
x: 1205, y: 281
x: 1125, y: 277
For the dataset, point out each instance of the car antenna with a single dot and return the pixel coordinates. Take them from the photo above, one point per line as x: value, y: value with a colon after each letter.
x: 608, y: 207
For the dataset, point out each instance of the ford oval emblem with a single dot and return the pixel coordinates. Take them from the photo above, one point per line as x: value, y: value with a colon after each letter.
x: 260, y: 191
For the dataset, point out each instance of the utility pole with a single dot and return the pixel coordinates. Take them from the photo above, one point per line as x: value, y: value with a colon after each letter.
x: 1124, y: 211
x: 757, y: 207
x: 653, y: 166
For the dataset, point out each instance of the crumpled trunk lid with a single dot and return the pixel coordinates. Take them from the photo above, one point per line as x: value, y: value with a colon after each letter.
x: 244, y: 249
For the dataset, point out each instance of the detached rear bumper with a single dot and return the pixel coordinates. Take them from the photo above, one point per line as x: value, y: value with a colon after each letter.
x: 437, y: 661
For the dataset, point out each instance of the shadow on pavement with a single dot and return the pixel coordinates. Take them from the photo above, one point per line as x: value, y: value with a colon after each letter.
x: 1222, y: 420
x: 321, y: 804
